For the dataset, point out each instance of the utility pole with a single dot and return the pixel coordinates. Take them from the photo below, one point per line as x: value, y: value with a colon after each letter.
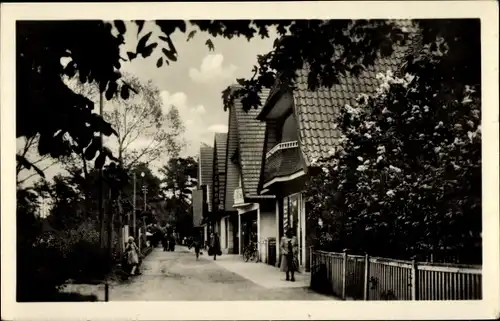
x: 145, y: 231
x: 145, y: 190
x: 121, y: 241
x: 134, y: 210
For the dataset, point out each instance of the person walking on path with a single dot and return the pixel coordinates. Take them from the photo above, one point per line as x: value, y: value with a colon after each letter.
x: 197, y: 246
x: 165, y: 241
x: 133, y: 254
x: 289, y: 249
x: 171, y: 243
x: 215, y: 245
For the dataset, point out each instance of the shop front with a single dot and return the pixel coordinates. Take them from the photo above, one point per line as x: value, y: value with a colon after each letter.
x: 249, y: 228
x: 227, y: 229
x: 294, y: 217
x: 248, y: 220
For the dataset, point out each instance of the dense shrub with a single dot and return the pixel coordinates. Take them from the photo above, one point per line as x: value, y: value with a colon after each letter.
x: 41, y: 269
x: 87, y: 261
x: 406, y: 177
x: 54, y: 257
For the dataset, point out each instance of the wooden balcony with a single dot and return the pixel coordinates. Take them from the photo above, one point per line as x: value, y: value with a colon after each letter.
x: 282, y: 160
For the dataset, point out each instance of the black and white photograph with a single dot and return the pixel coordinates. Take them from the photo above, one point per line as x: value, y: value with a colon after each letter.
x: 175, y: 159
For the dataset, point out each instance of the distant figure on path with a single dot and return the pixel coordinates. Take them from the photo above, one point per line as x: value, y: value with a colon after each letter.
x: 165, y: 242
x: 215, y: 245
x: 289, y: 249
x: 209, y: 244
x: 197, y: 247
x: 171, y: 243
x: 133, y: 253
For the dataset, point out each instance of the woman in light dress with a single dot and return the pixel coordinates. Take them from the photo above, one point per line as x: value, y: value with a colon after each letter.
x: 133, y: 253
x: 289, y: 251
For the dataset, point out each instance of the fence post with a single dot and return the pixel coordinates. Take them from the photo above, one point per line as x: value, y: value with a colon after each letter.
x: 414, y: 280
x: 344, y: 275
x: 366, y: 287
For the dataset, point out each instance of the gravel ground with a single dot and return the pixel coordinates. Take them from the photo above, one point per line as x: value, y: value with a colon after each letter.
x: 170, y: 276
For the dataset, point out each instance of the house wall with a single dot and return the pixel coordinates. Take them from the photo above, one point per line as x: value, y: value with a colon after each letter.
x: 289, y: 130
x: 230, y: 235
x: 267, y: 229
x: 226, y: 235
x: 271, y: 134
x: 222, y: 235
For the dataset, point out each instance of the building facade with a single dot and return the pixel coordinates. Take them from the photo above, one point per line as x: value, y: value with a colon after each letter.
x: 255, y: 213
x: 261, y: 167
x: 205, y: 183
x: 222, y: 222
x: 300, y: 129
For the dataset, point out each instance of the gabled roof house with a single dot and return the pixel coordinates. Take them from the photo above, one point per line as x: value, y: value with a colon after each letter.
x: 251, y: 134
x: 205, y: 181
x: 244, y: 156
x: 299, y: 122
x: 244, y: 159
x: 219, y: 171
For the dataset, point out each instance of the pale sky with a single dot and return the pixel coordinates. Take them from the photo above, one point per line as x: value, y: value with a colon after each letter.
x: 194, y: 83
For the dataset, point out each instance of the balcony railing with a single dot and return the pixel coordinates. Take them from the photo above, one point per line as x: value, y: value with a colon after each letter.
x: 284, y: 159
x: 281, y: 146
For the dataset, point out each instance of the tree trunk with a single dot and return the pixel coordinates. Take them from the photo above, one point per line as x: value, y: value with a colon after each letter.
x: 120, y: 227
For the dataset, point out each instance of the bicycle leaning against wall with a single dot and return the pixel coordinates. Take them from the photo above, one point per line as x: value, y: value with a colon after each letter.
x: 251, y: 253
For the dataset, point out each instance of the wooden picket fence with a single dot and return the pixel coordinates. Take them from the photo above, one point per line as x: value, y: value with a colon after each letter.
x: 375, y: 278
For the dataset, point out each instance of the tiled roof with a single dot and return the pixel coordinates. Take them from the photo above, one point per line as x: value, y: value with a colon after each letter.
x: 251, y: 135
x: 315, y: 110
x: 206, y: 169
x: 220, y: 144
x: 221, y: 147
x: 232, y: 169
x: 206, y: 164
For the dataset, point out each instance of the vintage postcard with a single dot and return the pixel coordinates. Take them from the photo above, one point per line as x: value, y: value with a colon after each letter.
x: 246, y: 160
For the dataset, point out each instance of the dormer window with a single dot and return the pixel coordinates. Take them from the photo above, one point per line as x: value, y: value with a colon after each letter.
x: 289, y: 129
x: 286, y: 134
